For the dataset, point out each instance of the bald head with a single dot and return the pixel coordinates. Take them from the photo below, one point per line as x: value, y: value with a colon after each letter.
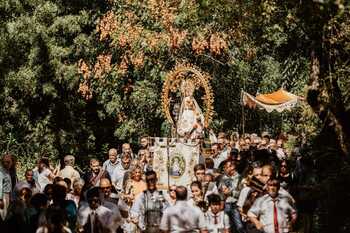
x: 106, y: 187
x: 104, y: 182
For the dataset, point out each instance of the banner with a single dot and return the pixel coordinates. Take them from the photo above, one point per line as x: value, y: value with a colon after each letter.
x: 173, y: 161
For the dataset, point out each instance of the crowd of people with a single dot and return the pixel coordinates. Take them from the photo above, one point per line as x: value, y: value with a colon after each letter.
x: 247, y: 184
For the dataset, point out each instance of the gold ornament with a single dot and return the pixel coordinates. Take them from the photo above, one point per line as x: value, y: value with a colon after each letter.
x: 197, y: 80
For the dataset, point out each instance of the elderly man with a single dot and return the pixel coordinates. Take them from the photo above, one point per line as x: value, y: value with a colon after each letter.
x: 111, y: 163
x: 273, y: 212
x: 68, y: 171
x: 182, y: 217
x: 120, y: 171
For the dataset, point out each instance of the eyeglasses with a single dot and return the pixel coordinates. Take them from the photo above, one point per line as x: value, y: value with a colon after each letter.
x: 172, y: 190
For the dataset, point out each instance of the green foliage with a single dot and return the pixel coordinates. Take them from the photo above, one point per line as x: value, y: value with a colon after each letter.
x: 257, y: 46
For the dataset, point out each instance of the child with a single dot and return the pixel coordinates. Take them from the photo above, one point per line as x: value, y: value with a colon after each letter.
x: 216, y: 220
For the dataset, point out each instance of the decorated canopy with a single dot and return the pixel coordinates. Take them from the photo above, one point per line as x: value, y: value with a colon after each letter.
x: 279, y: 100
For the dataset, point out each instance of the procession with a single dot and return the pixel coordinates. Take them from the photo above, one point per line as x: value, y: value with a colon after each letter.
x: 210, y: 116
x: 191, y: 182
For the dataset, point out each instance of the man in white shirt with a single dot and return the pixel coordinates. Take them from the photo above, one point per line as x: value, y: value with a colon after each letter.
x: 273, y: 212
x: 148, y: 207
x: 93, y: 217
x: 111, y: 163
x: 119, y: 172
x: 182, y: 217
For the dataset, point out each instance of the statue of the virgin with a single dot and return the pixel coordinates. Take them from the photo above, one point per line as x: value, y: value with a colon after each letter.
x: 190, y: 123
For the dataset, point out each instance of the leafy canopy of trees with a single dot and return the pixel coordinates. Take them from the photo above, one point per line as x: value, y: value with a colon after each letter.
x: 81, y: 76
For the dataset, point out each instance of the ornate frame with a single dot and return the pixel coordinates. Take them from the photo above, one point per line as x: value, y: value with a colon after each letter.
x: 200, y: 79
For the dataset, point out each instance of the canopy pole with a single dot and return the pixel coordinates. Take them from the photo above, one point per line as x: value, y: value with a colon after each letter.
x: 243, y: 113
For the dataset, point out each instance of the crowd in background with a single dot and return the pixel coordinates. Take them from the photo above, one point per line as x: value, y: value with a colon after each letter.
x: 241, y: 184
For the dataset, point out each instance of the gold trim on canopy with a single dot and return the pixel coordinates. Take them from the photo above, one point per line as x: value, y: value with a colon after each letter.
x: 279, y: 100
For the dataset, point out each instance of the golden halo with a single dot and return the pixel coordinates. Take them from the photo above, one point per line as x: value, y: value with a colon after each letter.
x: 200, y: 79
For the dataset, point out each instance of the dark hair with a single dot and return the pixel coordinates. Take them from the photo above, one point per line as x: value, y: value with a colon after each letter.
x: 150, y: 173
x: 68, y: 182
x: 196, y: 183
x: 209, y: 163
x: 214, y: 199
x: 45, y: 161
x: 38, y: 200
x: 181, y: 193
x: 199, y: 166
x: 93, y: 192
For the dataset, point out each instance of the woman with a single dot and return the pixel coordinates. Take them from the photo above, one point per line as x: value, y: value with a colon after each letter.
x: 45, y: 175
x: 197, y: 197
x: 134, y: 185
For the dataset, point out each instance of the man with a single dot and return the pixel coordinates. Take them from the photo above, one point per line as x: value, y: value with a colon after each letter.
x: 182, y: 217
x: 6, y: 164
x: 92, y: 178
x: 29, y: 182
x: 106, y: 189
x: 268, y: 173
x: 217, y: 156
x: 111, y: 163
x: 120, y: 171
x: 229, y: 187
x: 68, y: 171
x: 144, y: 142
x: 126, y: 149
x: 148, y: 207
x: 92, y: 216
x: 199, y: 173
x: 273, y: 213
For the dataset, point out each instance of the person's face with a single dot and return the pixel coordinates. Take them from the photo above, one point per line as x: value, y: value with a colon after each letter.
x: 207, y: 179
x: 229, y: 168
x: 112, y: 156
x: 196, y: 192
x: 77, y: 188
x: 106, y: 188
x: 172, y: 192
x: 272, y: 189
x: 95, y: 167
x: 215, y: 208
x: 7, y: 162
x: 151, y: 182
x: 279, y: 142
x: 257, y: 173
x: 221, y: 142
x: 265, y: 175
x: 137, y: 174
x: 126, y: 161
x: 29, y: 176
x: 94, y: 202
x: 126, y: 148
x: 247, y: 141
x: 25, y: 194
x: 200, y: 175
x: 215, y: 150
x: 144, y: 142
x: 284, y: 168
